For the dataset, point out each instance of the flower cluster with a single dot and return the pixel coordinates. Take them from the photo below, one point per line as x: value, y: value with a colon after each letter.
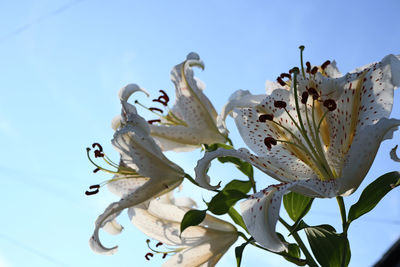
x: 315, y: 131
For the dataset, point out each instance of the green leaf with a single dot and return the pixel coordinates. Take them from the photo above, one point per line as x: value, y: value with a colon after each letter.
x: 297, y: 205
x: 293, y: 252
x: 299, y: 225
x: 215, y: 146
x: 221, y: 202
x: 239, y: 253
x: 373, y: 193
x: 242, y: 186
x: 328, y: 246
x: 192, y: 218
x: 243, y: 166
x: 237, y: 218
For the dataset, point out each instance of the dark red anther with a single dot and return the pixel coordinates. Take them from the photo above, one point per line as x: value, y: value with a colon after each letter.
x: 148, y: 255
x: 153, y: 121
x: 280, y: 81
x: 266, y: 117
x: 314, y: 70
x: 308, y: 64
x: 286, y: 75
x: 156, y: 109
x: 280, y: 104
x: 304, y: 97
x: 96, y: 170
x: 326, y: 63
x: 93, y: 192
x: 163, y: 99
x: 313, y: 92
x: 164, y: 255
x: 269, y: 142
x: 98, y: 153
x: 330, y: 104
x: 159, y: 244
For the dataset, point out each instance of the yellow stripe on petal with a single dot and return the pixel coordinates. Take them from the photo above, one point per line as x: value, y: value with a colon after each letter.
x: 355, y: 112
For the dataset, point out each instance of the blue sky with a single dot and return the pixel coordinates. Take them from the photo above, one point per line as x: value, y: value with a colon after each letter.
x: 62, y: 63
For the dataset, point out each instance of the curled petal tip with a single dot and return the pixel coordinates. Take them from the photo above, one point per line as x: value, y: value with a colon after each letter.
x: 393, y: 154
x: 98, y: 248
x: 193, y: 56
x: 116, y: 122
x: 126, y: 91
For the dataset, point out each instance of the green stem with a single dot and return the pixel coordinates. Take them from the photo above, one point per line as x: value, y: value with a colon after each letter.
x: 193, y: 181
x: 310, y: 260
x: 253, y: 243
x: 345, y: 226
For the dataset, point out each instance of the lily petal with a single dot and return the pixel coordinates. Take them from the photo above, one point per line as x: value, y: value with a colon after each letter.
x: 362, y: 153
x: 126, y: 91
x: 146, y: 192
x: 239, y: 99
x: 264, y: 164
x: 113, y: 227
x: 261, y: 211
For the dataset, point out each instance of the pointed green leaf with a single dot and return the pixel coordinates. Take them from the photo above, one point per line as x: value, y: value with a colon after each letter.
x: 373, y: 193
x: 239, y: 253
x: 328, y: 246
x: 243, y: 166
x: 296, y: 205
x: 242, y: 186
x: 192, y: 218
x: 221, y: 202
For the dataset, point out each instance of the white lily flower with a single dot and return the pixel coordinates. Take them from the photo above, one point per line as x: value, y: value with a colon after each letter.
x: 319, y: 140
x: 192, y: 120
x: 143, y: 173
x: 201, y: 245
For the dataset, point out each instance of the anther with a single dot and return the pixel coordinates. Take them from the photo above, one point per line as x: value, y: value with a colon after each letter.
x: 96, y: 170
x: 98, y: 153
x: 313, y: 92
x: 163, y: 99
x: 148, y: 255
x: 326, y: 63
x: 164, y: 255
x: 308, y: 64
x: 156, y: 109
x: 286, y: 75
x: 294, y: 70
x: 314, y: 70
x: 269, y: 142
x: 280, y: 104
x: 266, y: 117
x: 280, y: 81
x: 330, y: 104
x: 95, y: 191
x: 159, y: 244
x: 153, y: 121
x: 304, y: 97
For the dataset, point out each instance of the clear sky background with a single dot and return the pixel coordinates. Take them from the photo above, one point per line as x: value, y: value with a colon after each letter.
x: 62, y: 63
